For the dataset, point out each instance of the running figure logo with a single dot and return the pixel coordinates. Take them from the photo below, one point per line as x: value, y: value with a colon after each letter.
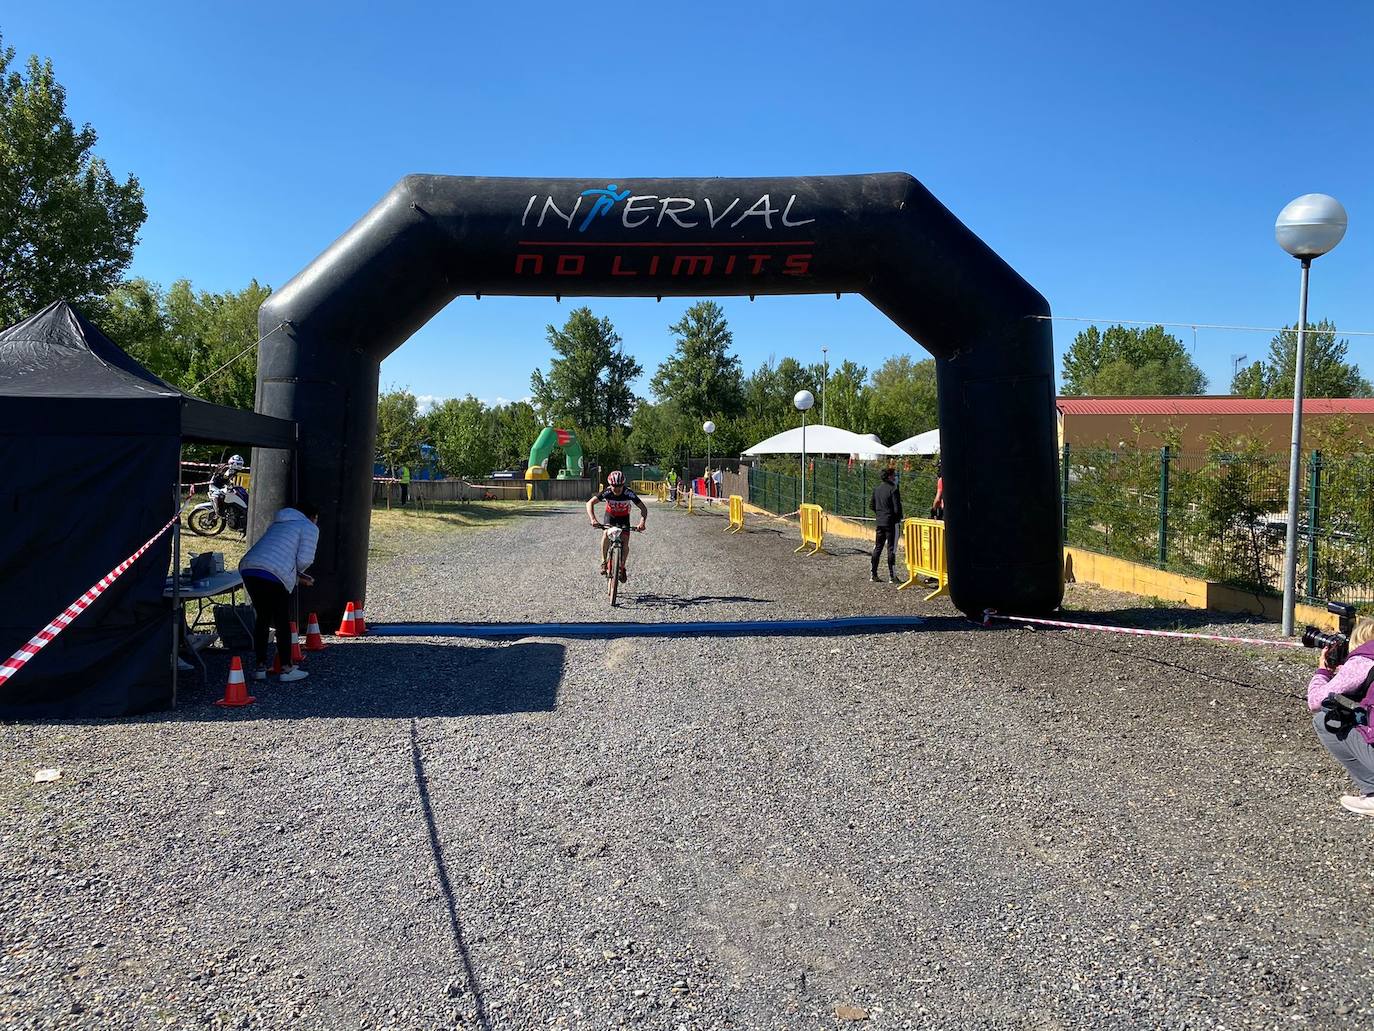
x: 605, y: 200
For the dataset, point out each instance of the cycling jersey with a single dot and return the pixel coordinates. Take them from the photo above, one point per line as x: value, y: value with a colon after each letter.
x: 618, y: 505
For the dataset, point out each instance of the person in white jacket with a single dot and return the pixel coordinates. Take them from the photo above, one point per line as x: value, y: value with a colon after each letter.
x: 271, y: 569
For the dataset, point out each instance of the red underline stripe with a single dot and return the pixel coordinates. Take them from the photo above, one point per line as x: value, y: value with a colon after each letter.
x: 696, y: 246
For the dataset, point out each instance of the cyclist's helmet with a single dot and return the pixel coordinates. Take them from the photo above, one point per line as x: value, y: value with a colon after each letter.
x: 615, y: 479
x: 235, y: 462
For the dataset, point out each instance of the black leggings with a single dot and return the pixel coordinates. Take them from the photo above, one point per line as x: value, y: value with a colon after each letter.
x: 272, y: 607
x: 887, y: 537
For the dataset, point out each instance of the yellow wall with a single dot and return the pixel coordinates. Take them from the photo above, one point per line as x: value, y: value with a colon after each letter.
x: 1117, y: 574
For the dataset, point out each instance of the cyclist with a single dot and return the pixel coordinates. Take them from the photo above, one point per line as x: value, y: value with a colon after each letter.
x: 618, y: 499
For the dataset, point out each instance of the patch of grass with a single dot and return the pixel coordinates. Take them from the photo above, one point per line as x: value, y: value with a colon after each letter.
x: 394, y: 530
x: 390, y: 527
x: 1156, y: 602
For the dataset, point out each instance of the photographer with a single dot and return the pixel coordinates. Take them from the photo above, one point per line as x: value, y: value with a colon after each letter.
x: 1354, y: 748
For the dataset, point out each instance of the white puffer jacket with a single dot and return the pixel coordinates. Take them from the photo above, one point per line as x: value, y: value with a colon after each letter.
x: 286, y: 549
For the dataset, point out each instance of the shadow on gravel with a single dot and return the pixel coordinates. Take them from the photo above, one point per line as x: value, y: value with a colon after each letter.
x: 380, y: 680
x: 441, y: 868
x: 681, y: 601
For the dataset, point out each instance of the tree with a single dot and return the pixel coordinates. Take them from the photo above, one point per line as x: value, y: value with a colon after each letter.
x: 517, y: 426
x: 1326, y: 373
x: 589, y: 378
x: 204, y: 343
x: 398, y: 428
x: 701, y: 376
x: 902, y: 401
x: 464, y: 434
x: 1130, y: 360
x: 67, y: 228
x: 847, y: 398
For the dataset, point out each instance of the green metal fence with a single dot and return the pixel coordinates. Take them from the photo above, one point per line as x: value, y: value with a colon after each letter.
x: 1224, y: 516
x: 1216, y: 515
x: 839, y: 487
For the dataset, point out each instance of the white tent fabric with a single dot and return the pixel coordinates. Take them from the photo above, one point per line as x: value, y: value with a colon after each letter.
x: 820, y: 440
x: 927, y: 443
x: 868, y: 456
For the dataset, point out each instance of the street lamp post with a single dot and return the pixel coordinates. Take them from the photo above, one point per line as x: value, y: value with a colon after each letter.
x: 1306, y: 228
x: 825, y: 376
x: 804, y: 400
x: 708, y: 427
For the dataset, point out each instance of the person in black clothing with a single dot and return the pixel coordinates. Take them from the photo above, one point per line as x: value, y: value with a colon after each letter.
x: 887, y: 506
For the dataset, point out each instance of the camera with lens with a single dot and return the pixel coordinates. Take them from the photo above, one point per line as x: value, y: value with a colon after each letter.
x: 1339, y: 642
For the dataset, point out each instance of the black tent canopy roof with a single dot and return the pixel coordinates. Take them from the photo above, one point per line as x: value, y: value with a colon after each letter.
x: 58, y: 354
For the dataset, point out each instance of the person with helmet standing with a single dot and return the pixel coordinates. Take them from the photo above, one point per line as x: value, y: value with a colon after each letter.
x: 618, y: 498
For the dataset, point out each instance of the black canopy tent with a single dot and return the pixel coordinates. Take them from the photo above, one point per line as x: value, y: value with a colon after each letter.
x: 90, y: 447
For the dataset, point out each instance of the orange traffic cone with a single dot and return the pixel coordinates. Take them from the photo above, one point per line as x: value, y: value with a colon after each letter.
x: 313, y: 641
x: 349, y: 626
x: 362, y: 619
x: 276, y: 665
x: 296, y: 656
x: 236, y: 690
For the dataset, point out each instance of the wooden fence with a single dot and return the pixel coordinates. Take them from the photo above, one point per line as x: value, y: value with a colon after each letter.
x: 501, y: 490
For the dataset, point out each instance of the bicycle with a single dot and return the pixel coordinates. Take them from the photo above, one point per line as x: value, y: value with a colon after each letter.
x: 615, y: 556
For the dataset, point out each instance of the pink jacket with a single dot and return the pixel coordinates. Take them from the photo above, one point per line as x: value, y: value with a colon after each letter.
x: 1350, y: 676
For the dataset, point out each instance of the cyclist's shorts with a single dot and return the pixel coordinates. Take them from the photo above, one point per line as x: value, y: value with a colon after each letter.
x: 621, y: 521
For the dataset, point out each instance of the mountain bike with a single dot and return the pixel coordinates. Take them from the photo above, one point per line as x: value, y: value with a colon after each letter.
x: 615, y: 556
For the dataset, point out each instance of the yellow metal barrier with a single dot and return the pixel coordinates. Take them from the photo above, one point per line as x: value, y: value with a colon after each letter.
x: 812, y: 528
x: 736, y: 514
x: 923, y: 541
x: 648, y: 487
x: 663, y: 492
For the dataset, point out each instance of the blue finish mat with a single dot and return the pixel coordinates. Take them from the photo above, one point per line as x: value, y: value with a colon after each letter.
x: 704, y: 629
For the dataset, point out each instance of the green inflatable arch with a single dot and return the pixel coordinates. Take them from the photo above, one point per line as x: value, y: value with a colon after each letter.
x: 544, y: 444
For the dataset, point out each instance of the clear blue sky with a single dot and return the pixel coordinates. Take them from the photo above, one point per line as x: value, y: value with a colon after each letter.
x: 1128, y: 160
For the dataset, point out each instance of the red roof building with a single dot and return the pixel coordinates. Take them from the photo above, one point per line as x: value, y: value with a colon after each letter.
x: 1086, y: 422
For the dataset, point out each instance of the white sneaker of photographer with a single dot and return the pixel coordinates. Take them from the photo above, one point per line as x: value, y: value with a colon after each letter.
x: 1362, y: 805
x: 290, y: 676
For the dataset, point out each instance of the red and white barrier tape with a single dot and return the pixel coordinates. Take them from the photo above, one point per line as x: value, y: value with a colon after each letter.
x: 989, y: 615
x: 40, y: 640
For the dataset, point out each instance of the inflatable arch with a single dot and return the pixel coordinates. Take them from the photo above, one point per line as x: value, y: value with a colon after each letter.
x: 543, y: 447
x: 433, y: 238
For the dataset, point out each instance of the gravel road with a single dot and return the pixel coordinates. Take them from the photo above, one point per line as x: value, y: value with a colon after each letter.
x: 942, y: 828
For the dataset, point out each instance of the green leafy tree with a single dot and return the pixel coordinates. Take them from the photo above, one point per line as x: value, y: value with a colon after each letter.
x: 398, y: 428
x: 517, y: 426
x: 134, y: 316
x: 701, y: 376
x: 1326, y: 372
x: 847, y: 398
x: 588, y: 383
x: 67, y: 227
x: 902, y: 401
x: 1130, y: 360
x: 204, y: 343
x: 464, y: 432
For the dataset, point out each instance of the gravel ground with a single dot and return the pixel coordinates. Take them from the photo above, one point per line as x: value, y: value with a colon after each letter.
x: 942, y: 828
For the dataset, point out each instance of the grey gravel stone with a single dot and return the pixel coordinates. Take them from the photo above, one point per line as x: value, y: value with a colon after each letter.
x: 942, y: 828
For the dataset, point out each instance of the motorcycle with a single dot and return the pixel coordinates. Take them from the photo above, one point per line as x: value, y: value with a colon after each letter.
x: 228, y: 506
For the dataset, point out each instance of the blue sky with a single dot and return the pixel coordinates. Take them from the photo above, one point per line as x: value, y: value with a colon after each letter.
x: 1128, y: 160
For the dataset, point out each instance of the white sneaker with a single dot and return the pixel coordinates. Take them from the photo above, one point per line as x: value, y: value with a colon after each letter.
x: 290, y: 676
x: 260, y: 673
x: 1362, y: 805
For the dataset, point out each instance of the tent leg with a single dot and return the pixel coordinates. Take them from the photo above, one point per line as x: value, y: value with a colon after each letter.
x: 177, y: 617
